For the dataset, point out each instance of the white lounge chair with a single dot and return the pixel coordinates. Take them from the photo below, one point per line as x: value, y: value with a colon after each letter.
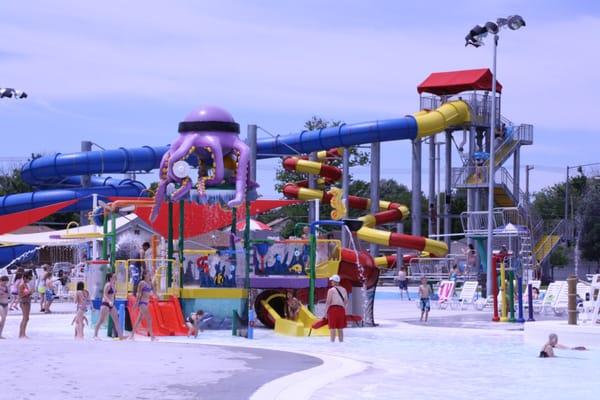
x: 561, y: 304
x: 550, y: 296
x: 467, y: 295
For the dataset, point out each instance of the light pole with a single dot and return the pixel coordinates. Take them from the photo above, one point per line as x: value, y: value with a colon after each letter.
x: 527, y: 169
x: 475, y: 38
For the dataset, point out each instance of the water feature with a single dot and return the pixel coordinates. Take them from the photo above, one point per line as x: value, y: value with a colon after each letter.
x: 367, y: 297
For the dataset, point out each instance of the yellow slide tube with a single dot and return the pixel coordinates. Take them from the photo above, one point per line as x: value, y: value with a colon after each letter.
x: 448, y: 114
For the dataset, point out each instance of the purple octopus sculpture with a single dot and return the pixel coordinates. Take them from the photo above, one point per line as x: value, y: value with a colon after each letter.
x: 209, y: 136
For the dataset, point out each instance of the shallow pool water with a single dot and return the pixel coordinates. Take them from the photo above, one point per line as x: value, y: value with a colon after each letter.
x: 447, y: 364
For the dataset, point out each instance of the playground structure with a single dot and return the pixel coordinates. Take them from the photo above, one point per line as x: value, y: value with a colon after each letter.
x: 458, y: 103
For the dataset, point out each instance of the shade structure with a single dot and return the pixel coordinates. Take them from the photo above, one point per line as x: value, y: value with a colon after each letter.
x: 453, y: 82
x: 254, y: 226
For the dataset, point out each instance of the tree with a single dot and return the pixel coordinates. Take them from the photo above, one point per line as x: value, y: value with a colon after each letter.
x: 589, y: 241
x: 299, y: 213
x: 549, y: 202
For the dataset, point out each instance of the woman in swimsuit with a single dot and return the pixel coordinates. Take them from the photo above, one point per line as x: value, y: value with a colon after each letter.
x: 144, y: 291
x: 4, y: 294
x: 25, y: 302
x: 108, y: 306
x: 82, y: 300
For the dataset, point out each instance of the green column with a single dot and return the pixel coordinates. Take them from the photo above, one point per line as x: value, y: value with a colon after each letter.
x: 181, y: 241
x: 105, y: 238
x: 170, y: 246
x: 247, y: 249
x: 113, y: 244
x: 511, y: 295
x: 313, y: 262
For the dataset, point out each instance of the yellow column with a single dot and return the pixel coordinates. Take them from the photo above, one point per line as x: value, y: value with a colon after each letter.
x: 503, y: 317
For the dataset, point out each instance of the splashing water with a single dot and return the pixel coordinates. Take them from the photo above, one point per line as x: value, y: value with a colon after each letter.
x: 367, y: 303
x: 24, y: 256
x: 129, y: 246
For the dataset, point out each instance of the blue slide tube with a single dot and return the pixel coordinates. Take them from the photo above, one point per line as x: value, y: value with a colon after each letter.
x: 340, y: 136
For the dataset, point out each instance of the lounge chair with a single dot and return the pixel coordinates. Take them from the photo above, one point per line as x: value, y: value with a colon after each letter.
x: 445, y: 293
x: 550, y: 296
x: 468, y: 293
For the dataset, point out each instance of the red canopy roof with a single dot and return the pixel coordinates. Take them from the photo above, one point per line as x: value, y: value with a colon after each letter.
x: 447, y: 83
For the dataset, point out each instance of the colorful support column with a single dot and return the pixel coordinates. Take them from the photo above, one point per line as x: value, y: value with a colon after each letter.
x: 530, y: 302
x: 511, y: 296
x: 503, y: 317
x: 181, y: 242
x: 313, y: 275
x: 520, y: 319
x: 105, y: 238
x: 113, y: 244
x: 494, y: 289
x: 170, y: 246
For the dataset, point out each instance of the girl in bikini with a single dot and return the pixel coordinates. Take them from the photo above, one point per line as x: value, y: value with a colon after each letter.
x: 25, y: 302
x: 4, y: 295
x: 82, y: 300
x: 143, y: 300
x: 108, y: 306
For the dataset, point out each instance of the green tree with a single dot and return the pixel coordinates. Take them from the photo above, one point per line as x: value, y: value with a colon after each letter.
x: 299, y: 213
x: 549, y: 202
x: 589, y: 212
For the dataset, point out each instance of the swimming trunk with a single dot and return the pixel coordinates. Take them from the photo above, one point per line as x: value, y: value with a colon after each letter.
x: 425, y: 305
x: 143, y: 303
x: 49, y: 295
x: 543, y: 354
x: 106, y: 304
x: 3, y: 305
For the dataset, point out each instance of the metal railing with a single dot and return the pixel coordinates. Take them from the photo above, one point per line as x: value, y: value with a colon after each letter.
x: 440, y: 268
x: 473, y: 176
x: 548, y: 242
x: 476, y: 222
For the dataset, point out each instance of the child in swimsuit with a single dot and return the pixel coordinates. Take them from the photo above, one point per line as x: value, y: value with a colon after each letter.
x: 14, y: 291
x: 424, y: 294
x: 193, y: 323
x: 25, y: 301
x: 82, y: 300
x: 4, y: 298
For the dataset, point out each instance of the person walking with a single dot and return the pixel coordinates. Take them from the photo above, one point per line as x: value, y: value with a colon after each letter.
x: 82, y: 300
x: 49, y: 291
x: 144, y: 291
x: 25, y: 302
x: 107, y: 309
x: 335, y: 306
x: 402, y: 279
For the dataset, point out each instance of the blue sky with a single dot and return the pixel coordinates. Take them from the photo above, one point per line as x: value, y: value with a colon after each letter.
x: 125, y: 73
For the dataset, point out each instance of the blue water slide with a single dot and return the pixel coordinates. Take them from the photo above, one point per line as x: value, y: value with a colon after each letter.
x: 340, y: 136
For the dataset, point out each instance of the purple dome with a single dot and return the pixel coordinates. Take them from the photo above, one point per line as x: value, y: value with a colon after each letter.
x: 209, y: 113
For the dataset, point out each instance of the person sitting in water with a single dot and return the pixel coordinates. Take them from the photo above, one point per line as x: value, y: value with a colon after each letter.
x: 292, y: 306
x: 548, y: 349
x: 193, y: 323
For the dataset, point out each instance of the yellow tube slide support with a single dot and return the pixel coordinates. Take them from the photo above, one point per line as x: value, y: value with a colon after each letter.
x: 435, y: 247
x: 309, y: 167
x: 451, y: 113
x: 374, y: 236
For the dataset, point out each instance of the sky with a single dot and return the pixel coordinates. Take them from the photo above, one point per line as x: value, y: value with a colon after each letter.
x: 123, y: 74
